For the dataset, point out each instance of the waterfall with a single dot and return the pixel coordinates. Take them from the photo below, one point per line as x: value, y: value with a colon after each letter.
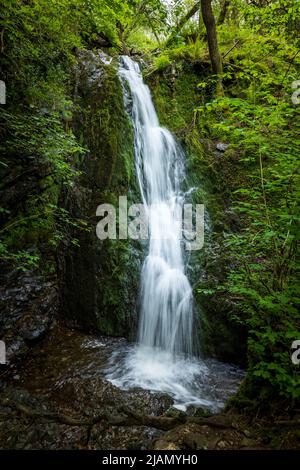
x: 163, y: 359
x: 166, y: 314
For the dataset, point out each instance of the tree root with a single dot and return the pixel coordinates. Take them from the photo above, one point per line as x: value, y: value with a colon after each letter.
x: 51, y: 416
x: 288, y: 423
x: 125, y: 417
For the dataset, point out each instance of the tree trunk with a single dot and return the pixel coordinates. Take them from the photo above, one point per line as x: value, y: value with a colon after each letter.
x: 210, y: 25
x: 223, y: 12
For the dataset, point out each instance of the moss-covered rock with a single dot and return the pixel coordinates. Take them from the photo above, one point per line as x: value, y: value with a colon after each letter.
x: 100, y: 278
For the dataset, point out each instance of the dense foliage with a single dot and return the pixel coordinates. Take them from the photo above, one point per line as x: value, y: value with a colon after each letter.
x: 259, y: 120
x: 259, y: 176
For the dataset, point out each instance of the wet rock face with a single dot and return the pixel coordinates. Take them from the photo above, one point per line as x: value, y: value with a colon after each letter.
x: 99, y: 279
x: 28, y: 305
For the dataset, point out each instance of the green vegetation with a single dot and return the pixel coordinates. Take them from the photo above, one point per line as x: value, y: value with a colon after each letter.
x: 39, y: 48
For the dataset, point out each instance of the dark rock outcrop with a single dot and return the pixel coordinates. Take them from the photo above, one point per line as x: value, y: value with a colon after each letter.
x: 99, y: 279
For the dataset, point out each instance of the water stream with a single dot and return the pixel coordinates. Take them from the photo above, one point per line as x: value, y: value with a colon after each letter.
x: 164, y: 358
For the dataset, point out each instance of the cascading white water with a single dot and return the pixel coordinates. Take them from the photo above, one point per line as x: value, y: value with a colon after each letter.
x: 166, y: 296
x: 163, y: 357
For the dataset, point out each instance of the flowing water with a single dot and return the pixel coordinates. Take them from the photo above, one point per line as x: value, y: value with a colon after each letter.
x: 164, y: 357
x: 166, y: 295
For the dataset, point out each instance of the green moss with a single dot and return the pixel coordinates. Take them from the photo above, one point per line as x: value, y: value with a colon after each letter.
x: 162, y: 62
x: 101, y: 286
